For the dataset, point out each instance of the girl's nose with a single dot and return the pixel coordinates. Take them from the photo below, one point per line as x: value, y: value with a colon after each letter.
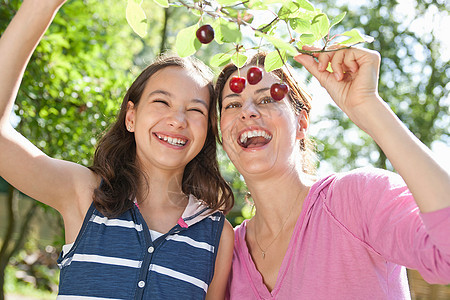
x: 177, y: 120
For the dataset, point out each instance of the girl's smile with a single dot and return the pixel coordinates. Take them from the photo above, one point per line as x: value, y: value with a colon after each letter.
x: 171, y: 120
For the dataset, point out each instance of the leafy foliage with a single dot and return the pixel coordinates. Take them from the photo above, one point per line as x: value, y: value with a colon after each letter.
x: 413, y: 81
x: 306, y: 25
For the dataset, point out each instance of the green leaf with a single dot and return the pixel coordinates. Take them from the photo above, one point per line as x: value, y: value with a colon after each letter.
x: 307, y: 39
x: 278, y: 43
x: 301, y: 26
x: 230, y: 32
x: 239, y: 59
x: 227, y: 2
x: 305, y: 4
x: 287, y: 9
x: 187, y: 42
x: 320, y: 26
x: 329, y: 68
x: 274, y: 61
x: 355, y: 37
x: 136, y: 17
x: 338, y: 19
x: 163, y: 3
x: 218, y: 37
x: 220, y: 59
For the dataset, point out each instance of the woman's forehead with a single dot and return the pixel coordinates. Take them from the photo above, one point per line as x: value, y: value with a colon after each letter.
x: 267, y: 80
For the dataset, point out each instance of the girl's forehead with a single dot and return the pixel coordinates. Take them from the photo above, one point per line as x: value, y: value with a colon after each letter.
x: 178, y: 81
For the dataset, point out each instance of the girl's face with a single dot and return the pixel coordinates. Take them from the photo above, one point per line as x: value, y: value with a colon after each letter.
x: 260, y: 134
x: 171, y: 120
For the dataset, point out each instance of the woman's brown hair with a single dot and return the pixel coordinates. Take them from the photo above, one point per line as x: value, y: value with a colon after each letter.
x: 298, y: 98
x: 115, y: 157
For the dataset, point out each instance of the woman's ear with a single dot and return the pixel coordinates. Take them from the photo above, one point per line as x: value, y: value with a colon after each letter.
x: 303, y: 124
x: 129, y: 118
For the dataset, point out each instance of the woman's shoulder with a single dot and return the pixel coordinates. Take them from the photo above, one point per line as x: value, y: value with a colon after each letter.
x: 359, y: 187
x: 358, y: 178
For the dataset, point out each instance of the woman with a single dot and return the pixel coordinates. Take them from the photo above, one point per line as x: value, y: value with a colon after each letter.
x: 345, y: 236
x: 145, y: 221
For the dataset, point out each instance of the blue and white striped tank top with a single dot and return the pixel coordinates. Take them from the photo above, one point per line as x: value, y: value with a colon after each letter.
x: 117, y: 259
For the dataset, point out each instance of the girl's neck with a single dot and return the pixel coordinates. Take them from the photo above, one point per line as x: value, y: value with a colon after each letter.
x: 163, y: 189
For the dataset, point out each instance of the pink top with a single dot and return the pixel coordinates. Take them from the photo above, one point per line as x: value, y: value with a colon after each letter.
x: 355, y: 232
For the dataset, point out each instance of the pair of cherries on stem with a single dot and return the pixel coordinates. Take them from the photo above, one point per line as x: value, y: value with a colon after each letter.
x: 254, y: 75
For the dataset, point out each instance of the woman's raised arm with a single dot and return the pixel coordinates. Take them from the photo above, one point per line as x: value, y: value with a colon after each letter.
x: 354, y: 87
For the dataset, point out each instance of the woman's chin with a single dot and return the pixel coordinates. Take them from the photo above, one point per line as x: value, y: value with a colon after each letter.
x: 256, y: 168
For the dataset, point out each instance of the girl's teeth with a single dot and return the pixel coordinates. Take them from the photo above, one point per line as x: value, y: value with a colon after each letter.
x: 172, y: 141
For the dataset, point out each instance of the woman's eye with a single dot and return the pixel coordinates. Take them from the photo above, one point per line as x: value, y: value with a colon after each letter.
x: 266, y: 100
x: 232, y: 105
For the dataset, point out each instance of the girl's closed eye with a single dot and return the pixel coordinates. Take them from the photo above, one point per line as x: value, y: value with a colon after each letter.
x: 160, y: 101
x: 196, y: 109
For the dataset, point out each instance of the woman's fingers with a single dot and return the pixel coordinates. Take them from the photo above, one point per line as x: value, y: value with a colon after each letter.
x: 341, y: 61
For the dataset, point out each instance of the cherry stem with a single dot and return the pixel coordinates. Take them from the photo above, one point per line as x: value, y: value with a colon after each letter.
x: 312, y: 52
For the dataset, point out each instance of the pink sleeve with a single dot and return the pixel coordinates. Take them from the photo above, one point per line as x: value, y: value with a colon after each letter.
x: 376, y: 206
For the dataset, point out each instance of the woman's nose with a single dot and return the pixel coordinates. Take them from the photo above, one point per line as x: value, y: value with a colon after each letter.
x: 249, y: 111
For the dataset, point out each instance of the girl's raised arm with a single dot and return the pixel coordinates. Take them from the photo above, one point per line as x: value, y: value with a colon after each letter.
x: 62, y: 185
x: 354, y: 87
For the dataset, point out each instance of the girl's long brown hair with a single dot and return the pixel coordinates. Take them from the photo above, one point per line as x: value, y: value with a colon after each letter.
x: 115, y: 157
x: 298, y: 98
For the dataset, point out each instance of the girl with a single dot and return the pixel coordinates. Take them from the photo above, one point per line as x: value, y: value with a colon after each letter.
x: 143, y: 222
x: 345, y: 236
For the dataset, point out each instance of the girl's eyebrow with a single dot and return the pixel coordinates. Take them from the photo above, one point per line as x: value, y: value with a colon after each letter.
x: 162, y: 92
x: 200, y: 101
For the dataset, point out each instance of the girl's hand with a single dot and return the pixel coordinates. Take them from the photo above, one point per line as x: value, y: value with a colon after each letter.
x: 53, y: 4
x: 354, y: 80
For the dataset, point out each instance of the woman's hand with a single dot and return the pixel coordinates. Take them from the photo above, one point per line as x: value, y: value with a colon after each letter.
x: 354, y: 80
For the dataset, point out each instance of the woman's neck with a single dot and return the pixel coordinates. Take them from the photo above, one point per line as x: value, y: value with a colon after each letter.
x: 275, y: 197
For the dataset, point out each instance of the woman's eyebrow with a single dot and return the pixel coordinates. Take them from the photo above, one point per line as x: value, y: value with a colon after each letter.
x: 259, y: 91
x: 230, y: 95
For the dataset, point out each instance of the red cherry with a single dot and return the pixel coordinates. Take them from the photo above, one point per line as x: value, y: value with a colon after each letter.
x: 205, y: 34
x: 254, y: 75
x: 237, y: 84
x: 278, y: 91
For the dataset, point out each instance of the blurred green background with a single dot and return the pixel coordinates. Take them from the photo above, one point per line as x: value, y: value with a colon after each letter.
x: 77, y: 77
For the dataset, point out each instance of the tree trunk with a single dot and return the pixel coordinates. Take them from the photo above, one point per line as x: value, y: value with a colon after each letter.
x: 4, y: 257
x: 9, y: 246
x: 164, y: 31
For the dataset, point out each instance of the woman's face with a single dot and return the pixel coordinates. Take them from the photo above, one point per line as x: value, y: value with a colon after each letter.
x: 259, y: 134
x: 171, y: 120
